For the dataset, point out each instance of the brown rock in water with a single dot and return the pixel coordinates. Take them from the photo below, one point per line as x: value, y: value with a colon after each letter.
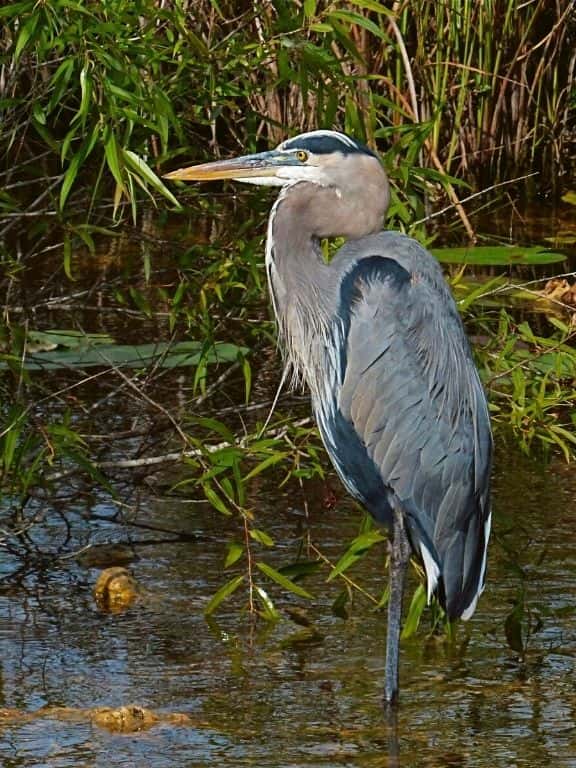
x: 116, y: 590
x: 124, y: 719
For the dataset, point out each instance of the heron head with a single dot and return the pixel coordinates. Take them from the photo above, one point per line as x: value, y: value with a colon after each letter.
x: 352, y: 192
x: 327, y: 158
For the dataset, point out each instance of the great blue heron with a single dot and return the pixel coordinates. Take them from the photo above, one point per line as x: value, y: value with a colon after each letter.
x: 378, y: 339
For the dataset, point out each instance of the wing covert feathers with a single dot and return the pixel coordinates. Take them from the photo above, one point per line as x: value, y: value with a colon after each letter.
x: 412, y: 395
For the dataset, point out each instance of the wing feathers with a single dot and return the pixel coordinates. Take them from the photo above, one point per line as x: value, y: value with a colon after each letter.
x: 412, y: 395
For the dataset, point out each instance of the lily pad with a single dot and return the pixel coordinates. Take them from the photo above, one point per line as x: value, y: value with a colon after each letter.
x: 90, y: 355
x: 497, y: 255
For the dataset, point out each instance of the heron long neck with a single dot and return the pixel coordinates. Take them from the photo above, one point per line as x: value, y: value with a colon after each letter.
x: 300, y: 282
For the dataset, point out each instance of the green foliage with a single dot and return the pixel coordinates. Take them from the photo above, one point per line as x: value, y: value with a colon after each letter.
x: 104, y: 93
x: 90, y: 84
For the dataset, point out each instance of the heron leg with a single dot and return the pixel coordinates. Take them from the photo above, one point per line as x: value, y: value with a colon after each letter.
x: 399, y: 558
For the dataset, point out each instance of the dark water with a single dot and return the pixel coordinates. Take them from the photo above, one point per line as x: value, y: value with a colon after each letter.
x: 282, y: 694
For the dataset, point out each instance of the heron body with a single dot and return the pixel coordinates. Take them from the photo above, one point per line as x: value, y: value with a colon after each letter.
x: 377, y: 337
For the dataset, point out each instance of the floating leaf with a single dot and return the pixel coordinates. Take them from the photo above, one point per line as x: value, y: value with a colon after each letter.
x: 163, y: 354
x: 497, y: 255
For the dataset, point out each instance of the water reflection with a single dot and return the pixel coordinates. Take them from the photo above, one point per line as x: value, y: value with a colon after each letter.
x: 268, y: 695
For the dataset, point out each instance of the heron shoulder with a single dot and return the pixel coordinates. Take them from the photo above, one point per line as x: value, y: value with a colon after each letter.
x: 407, y: 252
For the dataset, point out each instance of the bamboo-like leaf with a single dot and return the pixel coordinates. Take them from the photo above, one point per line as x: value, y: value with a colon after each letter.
x: 269, y: 613
x: 215, y: 500
x: 68, y: 256
x: 247, y: 372
x: 86, y: 93
x: 146, y: 174
x: 283, y: 581
x: 269, y: 461
x: 223, y: 594
x: 356, y: 551
x: 26, y: 33
x: 261, y: 537
x: 76, y: 162
x: 415, y: 611
x: 113, y: 160
x: 15, y: 9
x: 356, y: 18
x: 372, y: 5
x: 235, y: 552
x: 310, y: 8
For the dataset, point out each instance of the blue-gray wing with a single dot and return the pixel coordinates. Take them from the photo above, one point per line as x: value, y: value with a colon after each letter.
x: 412, y: 399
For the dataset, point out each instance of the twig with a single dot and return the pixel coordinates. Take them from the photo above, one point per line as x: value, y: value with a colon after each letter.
x: 343, y: 576
x: 167, y: 458
x: 476, y: 194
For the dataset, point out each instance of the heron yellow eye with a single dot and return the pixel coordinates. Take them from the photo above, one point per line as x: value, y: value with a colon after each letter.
x: 302, y: 156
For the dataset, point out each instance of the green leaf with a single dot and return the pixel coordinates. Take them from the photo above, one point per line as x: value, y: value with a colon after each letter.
x: 283, y: 581
x: 70, y: 176
x: 513, y: 628
x: 16, y: 9
x: 67, y: 338
x: 147, y: 175
x: 361, y: 21
x: 223, y: 594
x: 497, y: 255
x: 113, y: 160
x: 569, y: 197
x: 235, y: 552
x: 92, y: 352
x: 372, y: 5
x: 26, y: 33
x: 415, y: 611
x: 356, y: 551
x: 269, y: 613
x: 261, y: 537
x: 215, y: 500
x: 339, y: 605
x: 310, y: 8
x: 86, y: 93
x: 68, y: 256
x: 267, y: 462
x: 247, y: 372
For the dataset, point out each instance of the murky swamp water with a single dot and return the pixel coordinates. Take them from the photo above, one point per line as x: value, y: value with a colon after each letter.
x: 283, y: 694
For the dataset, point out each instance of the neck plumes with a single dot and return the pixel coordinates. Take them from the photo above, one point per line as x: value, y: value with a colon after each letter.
x: 300, y: 282
x: 304, y: 289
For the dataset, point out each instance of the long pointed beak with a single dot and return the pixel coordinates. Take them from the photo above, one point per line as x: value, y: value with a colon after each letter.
x: 246, y: 167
